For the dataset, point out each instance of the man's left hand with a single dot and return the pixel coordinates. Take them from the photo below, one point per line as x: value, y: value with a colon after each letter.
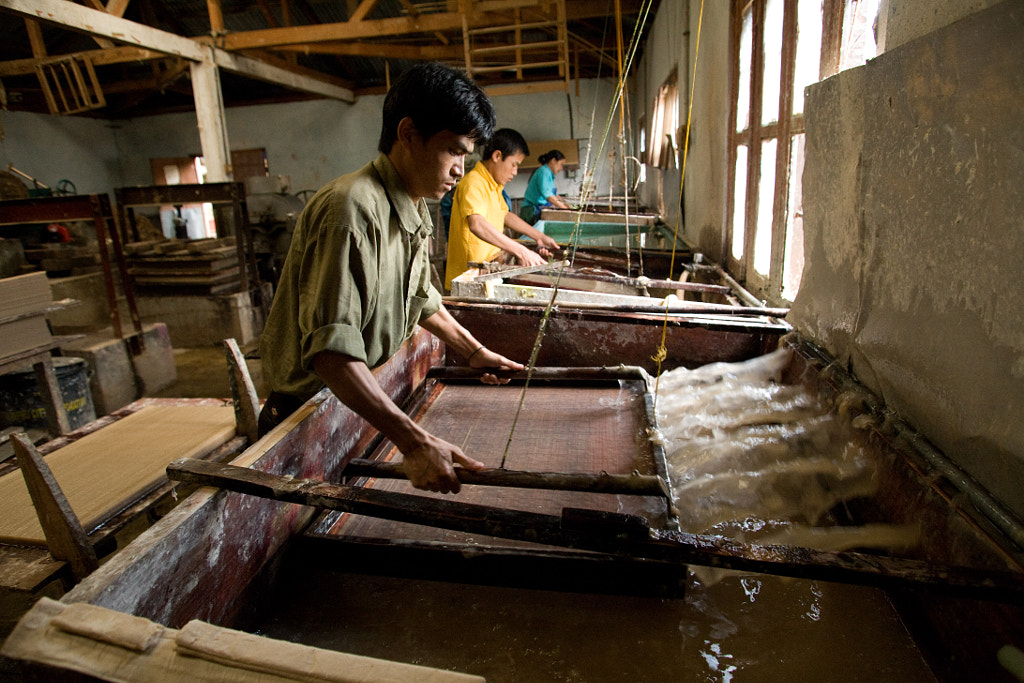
x: 487, y: 359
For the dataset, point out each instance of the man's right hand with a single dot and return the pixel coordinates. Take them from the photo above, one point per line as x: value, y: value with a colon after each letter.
x: 527, y: 257
x: 430, y: 465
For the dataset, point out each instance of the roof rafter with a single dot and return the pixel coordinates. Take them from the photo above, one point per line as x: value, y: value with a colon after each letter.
x: 96, y: 23
x: 398, y: 26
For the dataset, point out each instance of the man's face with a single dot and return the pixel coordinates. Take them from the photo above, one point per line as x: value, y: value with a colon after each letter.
x: 442, y: 161
x: 505, y: 168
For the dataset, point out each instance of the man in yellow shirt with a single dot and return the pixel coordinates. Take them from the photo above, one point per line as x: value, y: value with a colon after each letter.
x: 479, y: 212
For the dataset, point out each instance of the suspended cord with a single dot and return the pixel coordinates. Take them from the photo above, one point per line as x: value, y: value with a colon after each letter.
x: 575, y: 234
x: 662, y: 352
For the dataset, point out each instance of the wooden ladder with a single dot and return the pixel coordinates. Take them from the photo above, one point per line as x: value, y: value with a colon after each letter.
x: 521, y: 35
x: 70, y: 84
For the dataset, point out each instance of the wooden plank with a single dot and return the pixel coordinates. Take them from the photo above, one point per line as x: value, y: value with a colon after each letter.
x: 96, y: 23
x: 65, y: 536
x: 29, y: 569
x: 626, y: 484
x: 243, y: 392
x: 610, y: 533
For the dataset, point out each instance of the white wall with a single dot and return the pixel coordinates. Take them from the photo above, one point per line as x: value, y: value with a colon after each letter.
x: 561, y: 116
x: 313, y: 142
x: 52, y: 148
x: 672, y: 43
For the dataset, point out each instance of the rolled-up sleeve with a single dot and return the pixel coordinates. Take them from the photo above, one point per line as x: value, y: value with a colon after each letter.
x: 340, y: 288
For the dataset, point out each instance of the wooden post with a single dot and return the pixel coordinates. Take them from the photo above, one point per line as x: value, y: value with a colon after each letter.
x: 65, y: 536
x: 213, y: 133
x: 243, y: 393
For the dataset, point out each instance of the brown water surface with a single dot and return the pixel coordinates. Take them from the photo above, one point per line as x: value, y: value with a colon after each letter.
x: 752, y: 628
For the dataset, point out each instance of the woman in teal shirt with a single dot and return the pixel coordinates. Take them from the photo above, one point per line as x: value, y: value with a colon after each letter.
x: 541, y: 190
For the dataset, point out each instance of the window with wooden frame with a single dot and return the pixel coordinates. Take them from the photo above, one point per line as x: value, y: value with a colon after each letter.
x: 779, y: 47
x: 661, y: 149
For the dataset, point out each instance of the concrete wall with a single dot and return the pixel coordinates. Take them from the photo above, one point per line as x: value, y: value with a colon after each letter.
x: 900, y: 21
x: 312, y: 142
x: 53, y: 148
x: 913, y: 205
x: 673, y: 44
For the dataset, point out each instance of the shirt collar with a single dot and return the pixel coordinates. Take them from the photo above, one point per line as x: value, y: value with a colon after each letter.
x: 487, y: 176
x: 412, y: 214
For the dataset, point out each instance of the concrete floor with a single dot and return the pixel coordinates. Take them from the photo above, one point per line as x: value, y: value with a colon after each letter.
x: 203, y: 373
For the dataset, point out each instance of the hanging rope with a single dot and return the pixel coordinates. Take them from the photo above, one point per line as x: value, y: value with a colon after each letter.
x: 662, y: 352
x: 575, y: 234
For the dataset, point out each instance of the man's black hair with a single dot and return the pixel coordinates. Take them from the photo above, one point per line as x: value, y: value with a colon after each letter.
x: 508, y: 142
x: 436, y: 98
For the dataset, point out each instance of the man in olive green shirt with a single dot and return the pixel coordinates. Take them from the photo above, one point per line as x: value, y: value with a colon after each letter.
x: 356, y: 279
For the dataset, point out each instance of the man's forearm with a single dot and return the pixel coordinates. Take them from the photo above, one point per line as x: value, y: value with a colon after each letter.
x: 479, y: 226
x: 442, y: 325
x: 522, y: 227
x: 355, y: 386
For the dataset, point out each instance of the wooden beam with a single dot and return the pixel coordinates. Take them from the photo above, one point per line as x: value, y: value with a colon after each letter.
x: 92, y: 22
x: 396, y: 50
x: 96, y: 23
x: 525, y: 88
x: 285, y: 75
x: 65, y: 536
x: 35, y: 38
x: 365, y: 7
x: 320, y: 33
x: 213, y: 133
x: 117, y: 55
x: 216, y: 16
x: 117, y: 8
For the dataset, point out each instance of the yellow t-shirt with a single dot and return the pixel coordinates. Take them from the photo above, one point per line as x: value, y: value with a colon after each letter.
x: 477, y: 193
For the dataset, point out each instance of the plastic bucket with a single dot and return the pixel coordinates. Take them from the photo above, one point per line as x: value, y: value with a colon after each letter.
x: 21, y: 404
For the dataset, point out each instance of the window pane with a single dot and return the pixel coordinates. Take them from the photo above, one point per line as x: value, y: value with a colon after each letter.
x: 858, y: 33
x: 765, y: 202
x: 739, y: 206
x: 794, y: 266
x: 808, y: 50
x: 743, y: 92
x: 772, y: 61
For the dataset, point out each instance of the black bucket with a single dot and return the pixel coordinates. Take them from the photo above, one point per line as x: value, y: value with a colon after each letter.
x: 21, y: 405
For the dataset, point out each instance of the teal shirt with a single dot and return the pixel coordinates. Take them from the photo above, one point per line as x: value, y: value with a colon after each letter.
x: 540, y: 187
x: 356, y: 279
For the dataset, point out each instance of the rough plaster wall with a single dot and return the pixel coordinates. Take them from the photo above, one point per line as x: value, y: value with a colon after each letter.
x: 900, y: 21
x: 313, y: 142
x: 666, y: 49
x: 915, y: 247
x: 560, y: 116
x: 673, y: 43
x: 705, y: 183
x: 83, y: 150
